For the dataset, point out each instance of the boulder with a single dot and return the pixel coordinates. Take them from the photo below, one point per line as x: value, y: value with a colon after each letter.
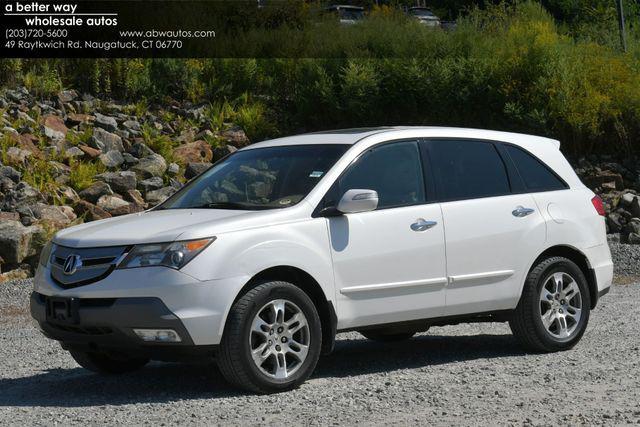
x: 120, y: 182
x: 18, y: 242
x: 105, y: 122
x: 89, y: 211
x: 132, y: 125
x: 195, y: 169
x: 54, y: 127
x: 111, y: 159
x: 106, y: 141
x: 140, y: 150
x: 158, y: 196
x: 74, y: 153
x: 634, y: 207
x: 95, y: 191
x: 114, y: 205
x: 173, y: 169
x: 150, y: 184
x: 634, y: 239
x: 194, y: 152
x: 74, y: 119
x: 235, y: 136
x: 223, y: 151
x: 135, y: 197
x: 59, y: 216
x: 614, y: 222
x: 22, y: 196
x: 90, y: 152
x: 17, y: 156
x: 129, y: 159
x: 66, y: 96
x: 150, y: 166
x: 604, y: 179
x: 11, y: 173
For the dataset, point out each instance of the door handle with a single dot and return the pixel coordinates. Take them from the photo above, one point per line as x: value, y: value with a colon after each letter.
x: 422, y: 225
x: 521, y: 212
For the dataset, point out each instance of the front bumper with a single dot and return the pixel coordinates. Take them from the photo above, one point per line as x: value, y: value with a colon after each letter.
x: 150, y: 297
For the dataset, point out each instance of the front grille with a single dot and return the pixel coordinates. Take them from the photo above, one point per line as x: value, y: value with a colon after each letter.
x: 90, y: 264
x: 84, y: 330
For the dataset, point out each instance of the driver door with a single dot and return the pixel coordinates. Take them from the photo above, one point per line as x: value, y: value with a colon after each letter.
x: 388, y: 265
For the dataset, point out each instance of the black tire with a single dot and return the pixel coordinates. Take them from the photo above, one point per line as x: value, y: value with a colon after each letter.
x: 104, y: 364
x: 382, y: 335
x: 526, y: 323
x: 234, y: 357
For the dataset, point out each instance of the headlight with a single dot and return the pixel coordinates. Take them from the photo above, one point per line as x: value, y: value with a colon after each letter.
x: 173, y: 255
x: 45, y: 254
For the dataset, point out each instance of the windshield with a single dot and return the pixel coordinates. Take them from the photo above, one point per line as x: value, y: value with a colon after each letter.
x: 261, y: 178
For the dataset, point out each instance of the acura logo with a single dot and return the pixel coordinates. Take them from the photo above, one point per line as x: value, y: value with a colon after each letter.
x: 71, y: 264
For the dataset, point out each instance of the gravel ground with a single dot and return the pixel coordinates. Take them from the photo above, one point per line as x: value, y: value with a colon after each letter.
x: 463, y: 375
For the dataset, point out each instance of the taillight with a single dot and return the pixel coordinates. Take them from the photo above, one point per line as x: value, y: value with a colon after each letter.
x: 599, y: 205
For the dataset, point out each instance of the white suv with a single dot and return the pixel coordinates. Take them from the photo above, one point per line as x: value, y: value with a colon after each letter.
x: 260, y: 260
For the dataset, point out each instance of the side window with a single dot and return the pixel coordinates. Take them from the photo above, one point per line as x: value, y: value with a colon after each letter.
x: 467, y: 169
x: 393, y: 170
x: 535, y: 174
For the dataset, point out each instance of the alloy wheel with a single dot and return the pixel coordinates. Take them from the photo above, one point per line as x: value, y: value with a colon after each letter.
x: 560, y: 305
x: 279, y: 339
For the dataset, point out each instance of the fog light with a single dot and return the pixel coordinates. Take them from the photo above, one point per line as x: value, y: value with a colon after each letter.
x: 158, y: 335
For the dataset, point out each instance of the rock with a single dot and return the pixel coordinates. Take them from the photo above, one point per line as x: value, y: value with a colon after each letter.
x: 90, y: 152
x: 140, y: 150
x: 614, y: 222
x: 132, y: 125
x: 17, y: 274
x: 106, y: 122
x: 106, y: 141
x: 11, y: 173
x: 67, y: 194
x: 633, y: 226
x: 17, y: 156
x: 129, y: 160
x: 56, y: 215
x: 66, y: 96
x: 73, y: 153
x: 634, y: 239
x: 112, y: 159
x: 95, y: 191
x: 114, y: 205
x: 9, y: 216
x: 235, y: 136
x: 89, y: 211
x: 194, y: 152
x: 22, y: 196
x: 634, y: 207
x: 611, y: 179
x: 18, y: 242
x: 195, y: 169
x: 74, y: 119
x: 28, y: 142
x: 54, y: 127
x: 158, y: 196
x: 173, y: 169
x: 150, y: 166
x: 627, y: 199
x: 205, y: 134
x: 223, y: 151
x: 135, y: 197
x: 120, y: 182
x: 150, y: 184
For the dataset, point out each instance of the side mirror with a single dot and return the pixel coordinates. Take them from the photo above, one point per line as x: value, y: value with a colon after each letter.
x: 354, y: 201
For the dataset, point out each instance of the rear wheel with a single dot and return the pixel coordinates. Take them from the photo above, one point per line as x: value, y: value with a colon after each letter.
x: 385, y: 335
x: 553, y: 311
x: 104, y: 364
x: 272, y: 339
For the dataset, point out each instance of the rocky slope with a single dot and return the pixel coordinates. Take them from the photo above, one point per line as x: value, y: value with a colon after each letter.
x: 76, y: 158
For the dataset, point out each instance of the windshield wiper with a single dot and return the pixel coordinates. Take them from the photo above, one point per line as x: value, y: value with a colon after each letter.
x: 227, y: 205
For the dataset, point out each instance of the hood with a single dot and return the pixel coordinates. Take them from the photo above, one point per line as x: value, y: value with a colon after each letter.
x: 167, y: 226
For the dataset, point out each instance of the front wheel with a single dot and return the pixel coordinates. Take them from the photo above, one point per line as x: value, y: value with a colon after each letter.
x: 105, y: 364
x: 272, y: 339
x: 553, y: 311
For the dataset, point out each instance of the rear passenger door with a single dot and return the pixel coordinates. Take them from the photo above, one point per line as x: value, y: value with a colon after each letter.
x: 493, y: 229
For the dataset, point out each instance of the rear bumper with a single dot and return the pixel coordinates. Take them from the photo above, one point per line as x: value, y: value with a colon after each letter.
x: 602, y: 267
x: 107, y: 324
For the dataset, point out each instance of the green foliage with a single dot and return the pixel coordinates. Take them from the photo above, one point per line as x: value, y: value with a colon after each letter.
x: 158, y: 142
x: 83, y: 174
x: 44, y: 82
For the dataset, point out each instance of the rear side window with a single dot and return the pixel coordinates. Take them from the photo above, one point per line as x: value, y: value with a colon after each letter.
x: 536, y: 175
x: 467, y: 169
x: 393, y: 170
